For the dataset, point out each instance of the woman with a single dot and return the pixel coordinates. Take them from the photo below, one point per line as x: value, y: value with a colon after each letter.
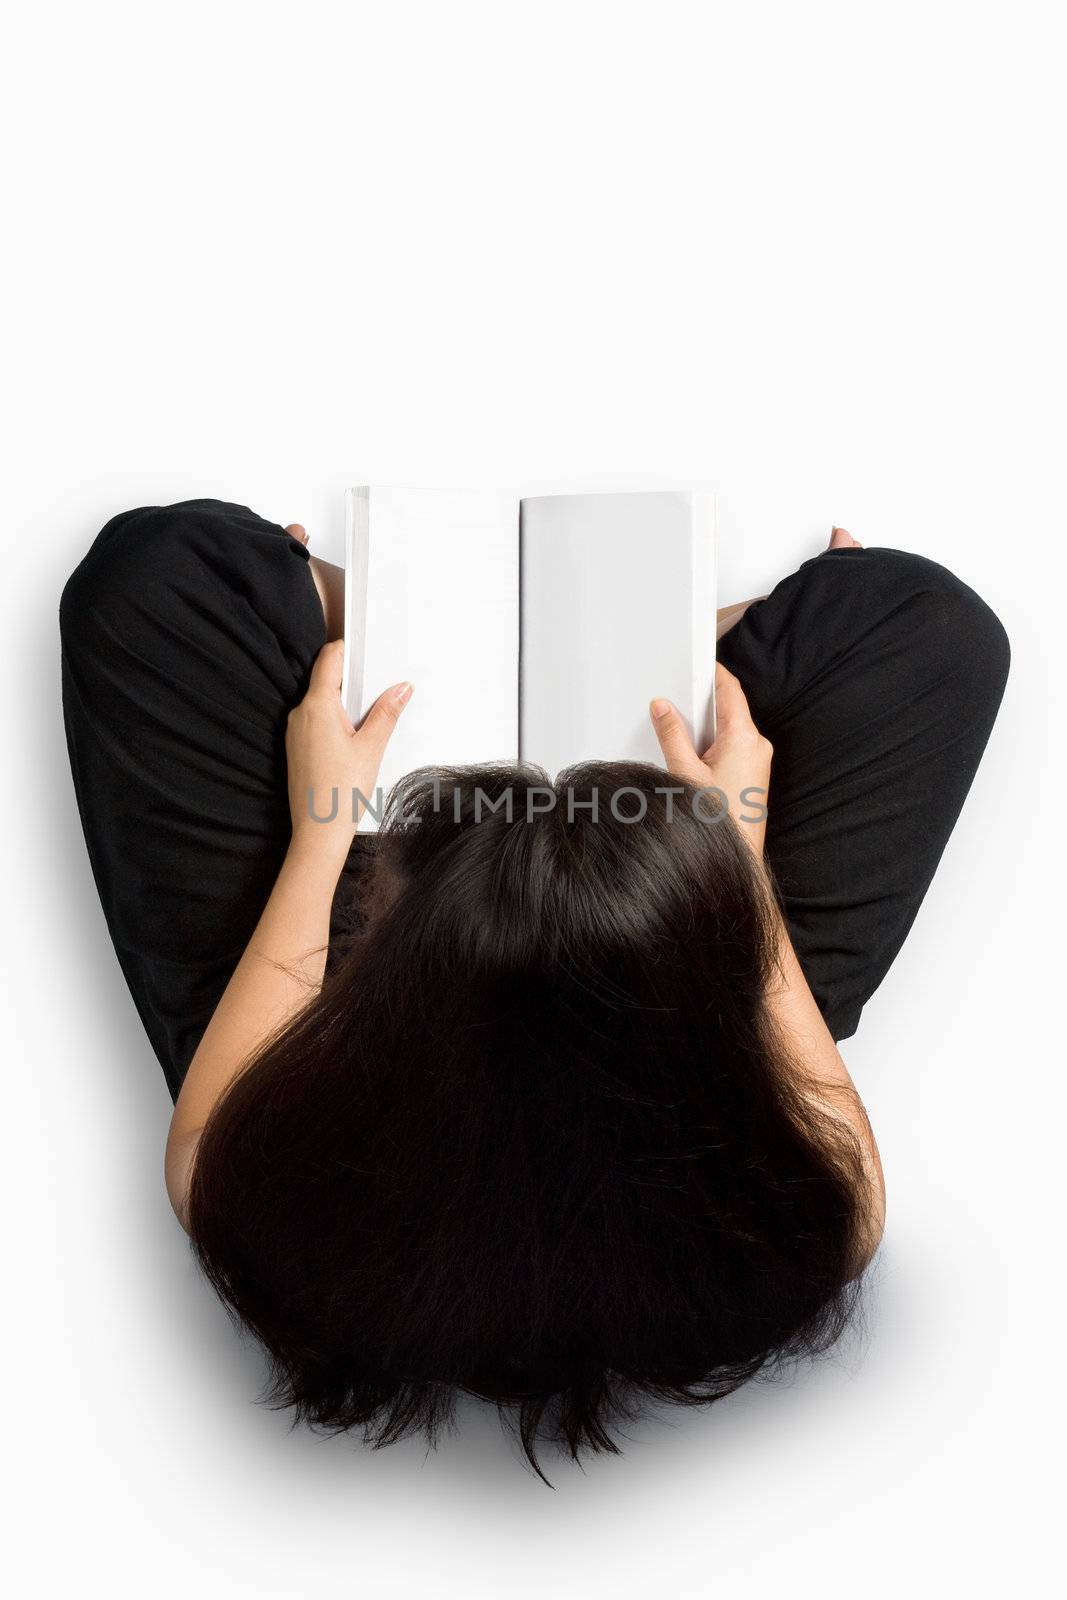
x: 513, y: 1101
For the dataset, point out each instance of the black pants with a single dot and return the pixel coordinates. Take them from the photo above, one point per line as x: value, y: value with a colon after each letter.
x: 189, y: 632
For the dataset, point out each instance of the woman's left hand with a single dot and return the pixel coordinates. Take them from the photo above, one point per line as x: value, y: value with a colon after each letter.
x: 329, y: 759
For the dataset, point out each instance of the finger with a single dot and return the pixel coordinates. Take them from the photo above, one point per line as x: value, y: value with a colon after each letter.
x: 328, y: 670
x: 297, y: 531
x: 841, y: 539
x: 679, y: 753
x: 377, y: 726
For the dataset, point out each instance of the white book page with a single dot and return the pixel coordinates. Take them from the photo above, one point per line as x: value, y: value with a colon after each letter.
x: 618, y: 606
x: 432, y: 595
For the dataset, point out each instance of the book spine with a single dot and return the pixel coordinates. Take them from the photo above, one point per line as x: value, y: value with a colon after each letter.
x: 357, y: 567
x: 704, y: 599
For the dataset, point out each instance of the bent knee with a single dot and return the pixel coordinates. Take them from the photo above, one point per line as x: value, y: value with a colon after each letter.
x: 135, y: 548
x: 113, y: 561
x: 940, y: 632
x: 959, y: 630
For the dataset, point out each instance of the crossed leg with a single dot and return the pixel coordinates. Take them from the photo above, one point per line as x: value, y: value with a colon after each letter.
x: 877, y: 676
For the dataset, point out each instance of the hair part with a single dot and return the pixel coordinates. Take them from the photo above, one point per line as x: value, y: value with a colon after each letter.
x: 536, y: 1139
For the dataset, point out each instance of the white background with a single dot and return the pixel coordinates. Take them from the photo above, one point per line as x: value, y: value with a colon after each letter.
x: 809, y: 253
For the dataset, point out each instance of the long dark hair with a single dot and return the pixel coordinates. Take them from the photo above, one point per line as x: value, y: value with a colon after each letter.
x: 535, y: 1139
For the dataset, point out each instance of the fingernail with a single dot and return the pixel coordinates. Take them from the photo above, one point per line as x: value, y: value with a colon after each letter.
x: 660, y: 708
x: 402, y: 693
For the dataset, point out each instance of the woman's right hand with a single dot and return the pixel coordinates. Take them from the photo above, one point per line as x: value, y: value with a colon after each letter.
x: 738, y: 762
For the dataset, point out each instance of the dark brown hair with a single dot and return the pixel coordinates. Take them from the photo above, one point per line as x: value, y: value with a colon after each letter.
x: 535, y: 1139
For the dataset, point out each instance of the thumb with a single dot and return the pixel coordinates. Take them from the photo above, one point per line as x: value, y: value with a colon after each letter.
x: 674, y: 738
x: 732, y: 714
x: 326, y: 673
x: 378, y: 724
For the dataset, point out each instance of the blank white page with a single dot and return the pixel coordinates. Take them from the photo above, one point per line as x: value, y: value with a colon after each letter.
x: 618, y: 606
x: 432, y: 595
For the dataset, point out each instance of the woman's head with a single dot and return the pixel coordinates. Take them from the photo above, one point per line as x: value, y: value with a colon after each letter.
x: 536, y: 1138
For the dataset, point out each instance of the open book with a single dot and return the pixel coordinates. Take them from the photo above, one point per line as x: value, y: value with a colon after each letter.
x: 535, y: 629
